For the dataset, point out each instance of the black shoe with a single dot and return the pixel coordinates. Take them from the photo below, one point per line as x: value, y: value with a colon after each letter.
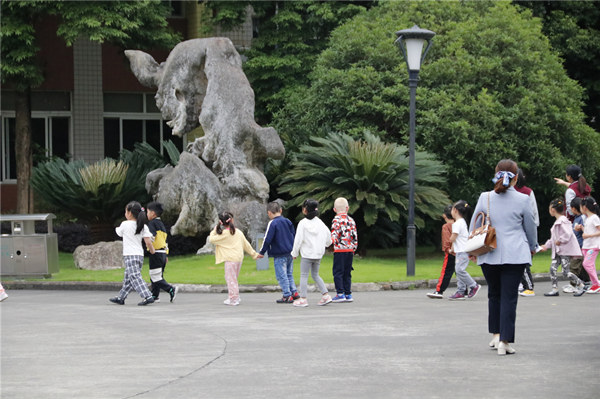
x: 295, y: 296
x: 173, y: 293
x: 285, y: 299
x: 147, y: 301
x: 117, y: 300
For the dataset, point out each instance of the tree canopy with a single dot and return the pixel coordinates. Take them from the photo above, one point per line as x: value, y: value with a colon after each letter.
x: 490, y: 88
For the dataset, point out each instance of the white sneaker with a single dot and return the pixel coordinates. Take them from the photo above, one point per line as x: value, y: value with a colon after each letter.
x: 3, y: 295
x: 569, y: 289
x: 228, y: 302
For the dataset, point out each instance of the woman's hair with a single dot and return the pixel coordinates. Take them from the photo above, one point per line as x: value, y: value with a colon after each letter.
x: 504, y: 169
x: 576, y: 203
x: 591, y: 205
x: 520, y: 178
x: 463, y: 209
x: 138, y: 213
x: 312, y: 208
x: 225, y: 220
x: 575, y: 172
x: 448, y: 211
x: 558, y: 204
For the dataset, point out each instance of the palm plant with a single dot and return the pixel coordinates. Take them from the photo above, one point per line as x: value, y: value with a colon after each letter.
x: 97, y: 194
x: 373, y: 176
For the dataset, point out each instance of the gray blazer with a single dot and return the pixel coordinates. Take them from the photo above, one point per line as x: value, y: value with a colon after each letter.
x: 516, y: 233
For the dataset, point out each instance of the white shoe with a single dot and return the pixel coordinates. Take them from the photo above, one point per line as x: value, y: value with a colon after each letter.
x: 3, y: 295
x: 228, y: 302
x: 569, y: 289
x: 505, y: 349
x: 495, y: 341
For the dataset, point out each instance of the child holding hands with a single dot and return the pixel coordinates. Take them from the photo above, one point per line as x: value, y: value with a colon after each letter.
x: 230, y: 245
x: 312, y: 237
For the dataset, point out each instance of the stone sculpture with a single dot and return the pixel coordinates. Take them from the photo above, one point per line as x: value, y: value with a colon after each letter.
x: 202, y: 83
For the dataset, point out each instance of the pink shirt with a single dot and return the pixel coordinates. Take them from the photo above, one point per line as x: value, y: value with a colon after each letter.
x: 562, y: 231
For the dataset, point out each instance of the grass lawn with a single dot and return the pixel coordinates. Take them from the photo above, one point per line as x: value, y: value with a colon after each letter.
x: 378, y: 266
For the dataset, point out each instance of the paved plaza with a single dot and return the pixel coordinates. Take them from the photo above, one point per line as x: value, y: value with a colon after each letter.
x: 386, y: 344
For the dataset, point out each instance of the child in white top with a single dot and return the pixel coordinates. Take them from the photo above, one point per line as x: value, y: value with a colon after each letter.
x: 467, y: 287
x: 312, y: 237
x: 591, y: 241
x: 133, y: 230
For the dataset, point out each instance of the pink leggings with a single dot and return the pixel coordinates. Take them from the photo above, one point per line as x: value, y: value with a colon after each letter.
x: 589, y: 264
x: 232, y: 271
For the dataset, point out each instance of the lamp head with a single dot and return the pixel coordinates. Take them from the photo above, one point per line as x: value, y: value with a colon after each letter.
x: 411, y: 42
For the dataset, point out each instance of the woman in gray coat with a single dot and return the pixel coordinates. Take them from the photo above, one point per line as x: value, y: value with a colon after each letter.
x: 516, y: 234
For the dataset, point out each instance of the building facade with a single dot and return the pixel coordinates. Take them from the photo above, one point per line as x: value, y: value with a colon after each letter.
x: 90, y: 105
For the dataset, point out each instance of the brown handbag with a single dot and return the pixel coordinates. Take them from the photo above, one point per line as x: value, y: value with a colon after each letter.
x: 483, y: 238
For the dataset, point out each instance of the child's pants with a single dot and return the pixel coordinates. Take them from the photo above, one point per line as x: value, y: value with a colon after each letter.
x: 157, y: 264
x: 577, y: 269
x: 132, y: 279
x: 464, y: 279
x: 232, y: 271
x: 312, y: 266
x: 342, y: 272
x: 284, y: 271
x: 564, y: 261
x: 527, y: 279
x: 589, y: 264
x: 446, y: 274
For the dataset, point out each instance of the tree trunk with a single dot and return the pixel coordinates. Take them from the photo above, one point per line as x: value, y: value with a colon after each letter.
x: 23, y: 153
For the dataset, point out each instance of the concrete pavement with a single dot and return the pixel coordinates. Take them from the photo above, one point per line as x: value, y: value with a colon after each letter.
x: 386, y: 344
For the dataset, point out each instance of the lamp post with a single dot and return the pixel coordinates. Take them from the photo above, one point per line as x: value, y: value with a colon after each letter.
x: 411, y: 42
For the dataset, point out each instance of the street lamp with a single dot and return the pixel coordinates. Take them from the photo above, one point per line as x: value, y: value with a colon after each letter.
x: 411, y: 42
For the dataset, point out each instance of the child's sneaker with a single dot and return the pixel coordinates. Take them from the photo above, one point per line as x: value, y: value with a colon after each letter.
x: 568, y: 289
x: 3, y: 295
x: 325, y: 299
x: 339, y: 298
x: 554, y: 292
x: 457, y: 296
x: 230, y: 302
x: 300, y: 302
x: 156, y: 299
x: 147, y: 301
x: 117, y: 300
x: 594, y: 289
x: 173, y: 292
x: 285, y: 299
x: 527, y: 293
x: 295, y: 296
x: 435, y: 295
x: 474, y: 291
x: 349, y: 298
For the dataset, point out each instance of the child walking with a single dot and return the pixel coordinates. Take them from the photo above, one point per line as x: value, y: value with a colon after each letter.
x: 312, y: 237
x: 345, y: 241
x: 158, y: 260
x: 133, y: 230
x: 467, y: 287
x: 591, y: 241
x: 449, y: 258
x: 576, y: 265
x: 230, y: 245
x: 278, y: 242
x: 564, y: 245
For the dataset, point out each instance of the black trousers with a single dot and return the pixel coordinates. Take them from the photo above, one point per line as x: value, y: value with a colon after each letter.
x: 446, y: 274
x: 527, y: 279
x: 158, y: 261
x: 342, y: 272
x: 503, y: 285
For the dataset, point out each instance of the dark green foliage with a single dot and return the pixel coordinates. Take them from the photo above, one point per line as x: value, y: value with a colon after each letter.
x: 60, y: 185
x: 373, y: 176
x: 490, y: 88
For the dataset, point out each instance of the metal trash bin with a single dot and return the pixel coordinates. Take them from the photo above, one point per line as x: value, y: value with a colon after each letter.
x: 26, y: 253
x: 262, y: 263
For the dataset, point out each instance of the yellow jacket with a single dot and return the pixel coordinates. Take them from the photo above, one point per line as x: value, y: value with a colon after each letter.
x: 231, y: 247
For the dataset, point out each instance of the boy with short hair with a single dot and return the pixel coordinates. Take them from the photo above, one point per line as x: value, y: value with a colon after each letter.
x: 278, y: 242
x: 345, y: 241
x: 158, y: 260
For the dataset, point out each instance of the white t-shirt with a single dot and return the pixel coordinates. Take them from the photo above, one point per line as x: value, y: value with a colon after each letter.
x: 132, y: 243
x: 590, y: 227
x: 460, y: 227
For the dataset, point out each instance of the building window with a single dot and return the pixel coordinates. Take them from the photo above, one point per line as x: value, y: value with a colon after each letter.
x: 131, y: 118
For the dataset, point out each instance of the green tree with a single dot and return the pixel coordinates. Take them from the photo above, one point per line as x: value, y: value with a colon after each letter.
x: 290, y: 35
x: 491, y: 88
x: 139, y: 23
x: 373, y: 176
